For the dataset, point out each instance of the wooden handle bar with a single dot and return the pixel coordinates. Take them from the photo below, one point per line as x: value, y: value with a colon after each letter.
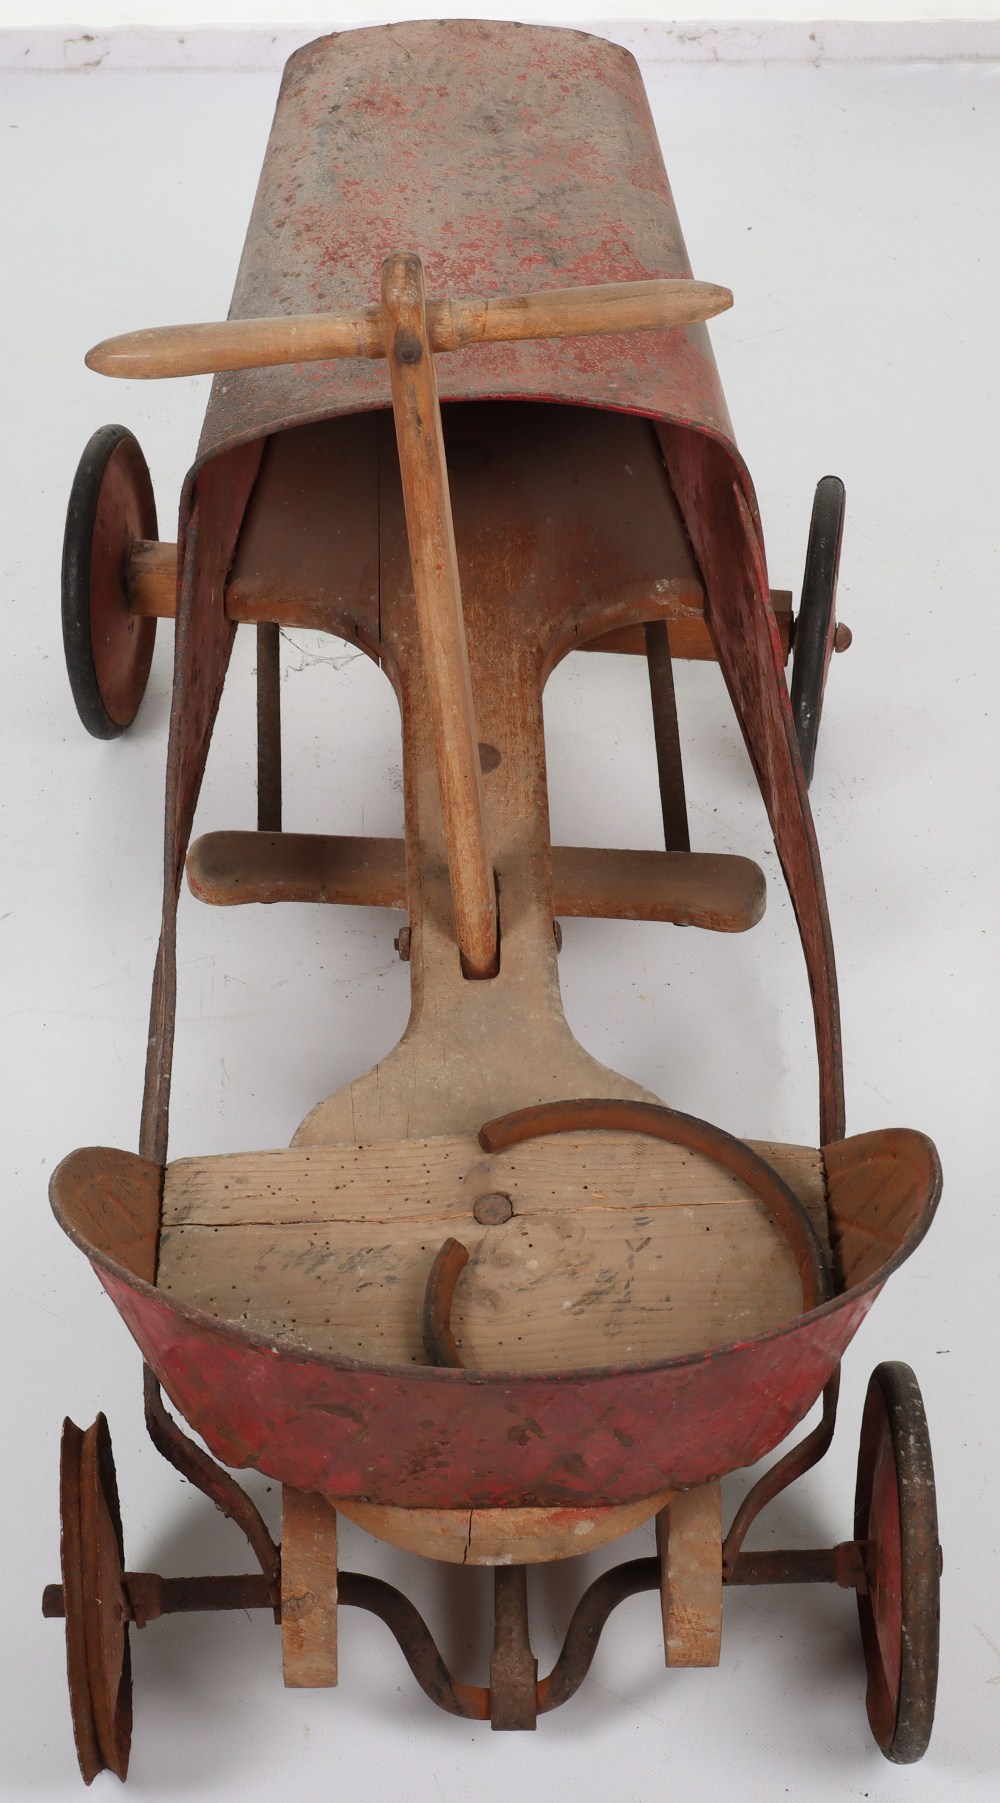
x: 438, y: 601
x: 199, y: 350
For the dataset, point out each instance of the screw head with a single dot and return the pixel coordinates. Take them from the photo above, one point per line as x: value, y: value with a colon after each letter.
x: 493, y: 1209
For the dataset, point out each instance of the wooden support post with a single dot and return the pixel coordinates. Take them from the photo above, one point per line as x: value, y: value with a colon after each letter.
x: 438, y: 597
x: 308, y: 1590
x: 689, y: 1544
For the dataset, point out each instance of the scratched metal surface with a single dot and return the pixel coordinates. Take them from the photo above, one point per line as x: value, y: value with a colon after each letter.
x: 511, y: 157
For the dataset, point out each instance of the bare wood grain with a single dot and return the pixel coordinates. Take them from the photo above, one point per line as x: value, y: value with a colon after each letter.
x: 438, y: 601
x: 531, y: 1536
x: 702, y: 889
x: 308, y: 1590
x: 609, y: 1257
x: 151, y: 581
x: 193, y: 350
x: 689, y: 1544
x: 440, y: 1178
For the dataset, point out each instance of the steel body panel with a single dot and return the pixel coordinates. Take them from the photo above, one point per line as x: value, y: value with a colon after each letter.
x: 439, y: 1438
x: 511, y: 158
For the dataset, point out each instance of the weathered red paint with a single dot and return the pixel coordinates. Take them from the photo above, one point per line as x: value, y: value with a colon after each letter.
x: 439, y: 1437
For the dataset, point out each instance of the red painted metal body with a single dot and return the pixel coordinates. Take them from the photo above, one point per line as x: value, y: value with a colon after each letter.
x: 448, y: 1439
x: 454, y: 1438
x: 510, y: 157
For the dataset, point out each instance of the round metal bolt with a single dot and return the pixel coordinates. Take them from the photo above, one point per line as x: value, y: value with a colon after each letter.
x: 493, y: 1209
x: 407, y: 348
x: 843, y: 637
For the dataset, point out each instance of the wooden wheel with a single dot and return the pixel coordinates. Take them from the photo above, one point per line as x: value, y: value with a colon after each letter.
x: 816, y: 625
x: 108, y: 648
x: 97, y: 1640
x: 895, y: 1516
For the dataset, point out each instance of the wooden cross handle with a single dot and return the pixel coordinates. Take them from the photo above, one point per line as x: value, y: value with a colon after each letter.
x: 200, y: 350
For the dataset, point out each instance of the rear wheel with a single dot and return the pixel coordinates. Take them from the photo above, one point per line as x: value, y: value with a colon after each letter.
x: 97, y: 1634
x: 895, y: 1518
x: 108, y: 648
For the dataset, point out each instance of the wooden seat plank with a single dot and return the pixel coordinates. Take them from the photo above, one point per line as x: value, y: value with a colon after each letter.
x: 617, y: 1250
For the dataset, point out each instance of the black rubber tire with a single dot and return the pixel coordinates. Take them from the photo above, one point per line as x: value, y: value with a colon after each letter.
x: 895, y: 1514
x: 93, y: 576
x: 816, y: 621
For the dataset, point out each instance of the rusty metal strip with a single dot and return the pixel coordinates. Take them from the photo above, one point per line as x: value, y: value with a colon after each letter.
x: 513, y: 1666
x: 669, y: 767
x: 439, y: 1341
x: 588, y: 1619
x: 268, y: 727
x: 213, y: 1481
x: 793, y: 1465
x: 721, y: 518
x: 359, y: 1591
x: 680, y: 1130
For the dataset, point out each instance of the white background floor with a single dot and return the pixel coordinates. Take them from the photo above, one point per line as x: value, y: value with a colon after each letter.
x: 852, y: 209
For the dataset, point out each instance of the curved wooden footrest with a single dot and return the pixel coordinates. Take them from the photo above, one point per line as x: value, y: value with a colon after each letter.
x: 703, y: 889
x: 509, y: 1536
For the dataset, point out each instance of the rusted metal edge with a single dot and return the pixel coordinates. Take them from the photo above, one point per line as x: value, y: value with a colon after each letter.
x: 792, y: 1465
x: 679, y: 1129
x: 506, y: 1701
x: 211, y: 1478
x: 439, y: 1341
x: 666, y: 737
x: 245, y: 1336
x: 268, y: 727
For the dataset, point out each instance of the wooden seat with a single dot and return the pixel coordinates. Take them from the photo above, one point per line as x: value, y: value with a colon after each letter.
x: 617, y: 1249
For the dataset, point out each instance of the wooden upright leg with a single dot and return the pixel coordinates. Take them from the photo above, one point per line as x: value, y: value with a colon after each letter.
x: 308, y: 1590
x: 689, y: 1544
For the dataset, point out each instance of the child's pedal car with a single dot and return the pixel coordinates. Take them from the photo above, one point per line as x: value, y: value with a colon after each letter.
x: 496, y: 1303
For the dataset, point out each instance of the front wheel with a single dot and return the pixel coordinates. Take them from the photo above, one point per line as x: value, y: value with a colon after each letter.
x: 108, y: 648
